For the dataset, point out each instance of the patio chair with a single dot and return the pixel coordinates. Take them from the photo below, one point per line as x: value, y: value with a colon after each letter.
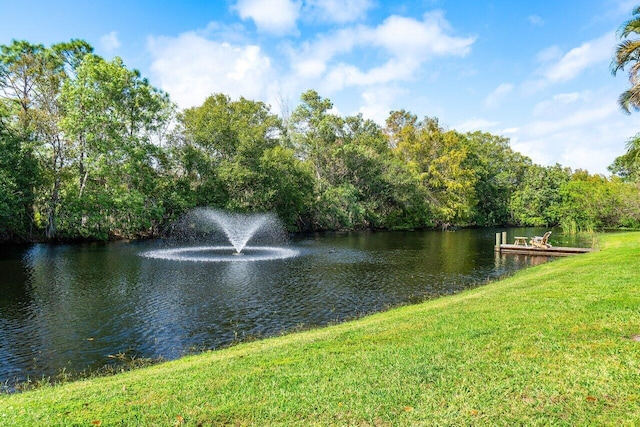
x: 540, y: 241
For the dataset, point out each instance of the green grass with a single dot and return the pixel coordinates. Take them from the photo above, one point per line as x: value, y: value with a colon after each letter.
x: 555, y: 344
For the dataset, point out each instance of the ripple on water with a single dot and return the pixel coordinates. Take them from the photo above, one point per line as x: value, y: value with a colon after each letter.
x: 222, y: 254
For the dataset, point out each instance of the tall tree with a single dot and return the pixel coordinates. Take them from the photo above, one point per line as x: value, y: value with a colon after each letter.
x: 31, y: 79
x: 18, y: 179
x: 358, y: 181
x: 231, y: 156
x: 538, y: 200
x: 627, y: 166
x: 113, y: 118
x: 315, y: 129
x: 628, y: 54
x: 594, y: 202
x: 499, y: 171
x: 441, y: 160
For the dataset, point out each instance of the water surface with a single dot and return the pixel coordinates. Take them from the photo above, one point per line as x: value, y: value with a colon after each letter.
x: 73, y: 306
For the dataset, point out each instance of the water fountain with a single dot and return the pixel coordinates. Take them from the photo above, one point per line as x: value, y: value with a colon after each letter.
x: 230, y: 233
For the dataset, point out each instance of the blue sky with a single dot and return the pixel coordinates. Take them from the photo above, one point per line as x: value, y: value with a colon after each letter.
x: 535, y: 72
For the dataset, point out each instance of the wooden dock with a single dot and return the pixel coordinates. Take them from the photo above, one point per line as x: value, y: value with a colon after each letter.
x: 522, y: 248
x: 532, y: 250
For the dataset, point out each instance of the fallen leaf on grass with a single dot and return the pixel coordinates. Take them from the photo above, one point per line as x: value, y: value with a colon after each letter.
x: 408, y: 408
x: 96, y: 422
x: 591, y: 399
x: 179, y: 420
x: 474, y: 412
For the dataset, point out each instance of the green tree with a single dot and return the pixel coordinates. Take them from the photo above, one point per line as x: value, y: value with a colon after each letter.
x: 31, y: 78
x: 499, y: 172
x: 286, y: 187
x: 538, y: 200
x: 594, y: 202
x: 627, y: 166
x: 113, y: 119
x: 314, y: 131
x: 403, y: 198
x: 216, y: 141
x: 440, y: 158
x: 627, y: 198
x: 232, y: 155
x: 628, y: 54
x: 359, y: 184
x: 18, y: 178
x: 586, y: 203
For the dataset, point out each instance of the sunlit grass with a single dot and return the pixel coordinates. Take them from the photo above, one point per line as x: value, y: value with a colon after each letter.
x: 557, y: 344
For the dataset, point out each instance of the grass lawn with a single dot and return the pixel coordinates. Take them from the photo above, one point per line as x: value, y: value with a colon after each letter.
x: 556, y: 344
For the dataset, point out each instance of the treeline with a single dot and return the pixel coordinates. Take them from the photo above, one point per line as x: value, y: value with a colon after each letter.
x: 90, y: 150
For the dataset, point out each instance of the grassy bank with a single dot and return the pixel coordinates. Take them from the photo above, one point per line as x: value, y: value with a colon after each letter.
x: 557, y: 344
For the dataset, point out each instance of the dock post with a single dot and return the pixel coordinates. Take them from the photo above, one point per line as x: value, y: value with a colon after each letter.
x: 504, y: 237
x: 497, y: 247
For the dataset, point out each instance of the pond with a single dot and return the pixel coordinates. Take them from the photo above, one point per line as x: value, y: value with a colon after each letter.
x: 75, y: 306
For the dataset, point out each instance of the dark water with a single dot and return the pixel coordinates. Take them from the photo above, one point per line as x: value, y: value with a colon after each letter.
x: 72, y: 306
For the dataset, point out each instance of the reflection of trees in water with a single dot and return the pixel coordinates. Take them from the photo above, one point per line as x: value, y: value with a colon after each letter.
x: 531, y: 259
x: 76, y: 291
x: 502, y: 260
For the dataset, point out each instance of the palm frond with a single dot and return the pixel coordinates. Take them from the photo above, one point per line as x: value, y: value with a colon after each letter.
x: 626, y: 52
x: 630, y: 27
x: 633, y: 144
x: 629, y: 100
x: 633, y: 150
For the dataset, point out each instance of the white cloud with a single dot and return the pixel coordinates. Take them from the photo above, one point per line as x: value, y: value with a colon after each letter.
x: 378, y: 101
x: 551, y: 53
x: 588, y: 157
x: 535, y: 20
x: 558, y: 67
x: 338, y: 11
x: 345, y: 75
x: 190, y: 68
x: 310, y: 67
x: 579, y: 119
x: 559, y: 103
x: 408, y: 37
x: 311, y: 59
x: 534, y: 149
x: 509, y: 131
x: 401, y: 43
x: 271, y: 16
x: 475, y: 124
x: 580, y: 58
x: 110, y: 42
x: 582, y: 130
x: 496, y: 97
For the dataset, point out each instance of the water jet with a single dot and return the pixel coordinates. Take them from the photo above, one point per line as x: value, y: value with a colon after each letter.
x: 192, y: 235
